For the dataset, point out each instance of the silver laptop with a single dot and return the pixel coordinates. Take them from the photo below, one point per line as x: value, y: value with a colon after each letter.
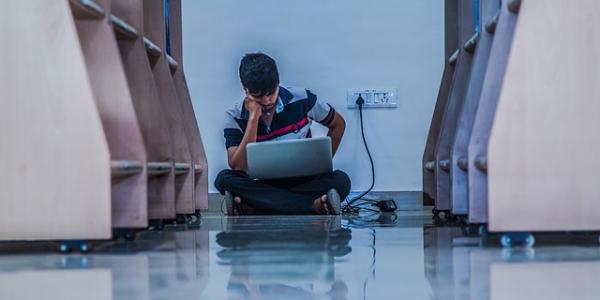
x: 289, y: 158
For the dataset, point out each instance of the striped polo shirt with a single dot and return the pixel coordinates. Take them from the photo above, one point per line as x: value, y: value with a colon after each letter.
x: 298, y: 107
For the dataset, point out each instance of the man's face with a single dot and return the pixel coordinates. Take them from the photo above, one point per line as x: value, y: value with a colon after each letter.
x: 268, y: 102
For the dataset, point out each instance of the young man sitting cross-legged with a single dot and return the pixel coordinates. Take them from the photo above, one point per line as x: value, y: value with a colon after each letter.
x: 272, y: 112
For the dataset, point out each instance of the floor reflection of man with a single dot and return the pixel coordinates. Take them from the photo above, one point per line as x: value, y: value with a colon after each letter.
x: 285, y: 263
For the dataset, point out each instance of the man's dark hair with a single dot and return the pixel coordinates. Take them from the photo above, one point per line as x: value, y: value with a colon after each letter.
x: 258, y: 73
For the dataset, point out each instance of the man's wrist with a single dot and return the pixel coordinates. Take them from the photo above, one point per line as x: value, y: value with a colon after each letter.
x: 254, y: 118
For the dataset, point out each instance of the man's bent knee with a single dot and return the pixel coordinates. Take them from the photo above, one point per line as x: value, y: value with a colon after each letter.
x: 224, y: 178
x: 343, y: 183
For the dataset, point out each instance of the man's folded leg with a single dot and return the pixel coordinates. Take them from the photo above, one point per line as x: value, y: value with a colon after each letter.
x: 263, y: 197
x: 319, y: 185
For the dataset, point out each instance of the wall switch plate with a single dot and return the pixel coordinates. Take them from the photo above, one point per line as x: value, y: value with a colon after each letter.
x: 374, y: 97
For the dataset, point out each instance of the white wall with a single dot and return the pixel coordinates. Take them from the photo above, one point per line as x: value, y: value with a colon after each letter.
x: 328, y: 47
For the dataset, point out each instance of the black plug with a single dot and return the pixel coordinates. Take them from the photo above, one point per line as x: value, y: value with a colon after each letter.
x: 360, y: 101
x: 386, y: 205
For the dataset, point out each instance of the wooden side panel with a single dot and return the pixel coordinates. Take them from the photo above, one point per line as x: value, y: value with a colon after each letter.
x: 488, y: 9
x: 176, y: 30
x: 55, y: 158
x: 154, y: 28
x: 129, y: 11
x: 453, y: 106
x: 187, y: 109
x: 109, y: 84
x: 478, y: 200
x: 451, y: 44
x: 184, y: 185
x: 149, y: 110
x: 194, y: 141
x: 543, y: 165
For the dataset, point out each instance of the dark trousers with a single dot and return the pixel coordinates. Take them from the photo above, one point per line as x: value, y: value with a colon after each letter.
x: 282, y: 196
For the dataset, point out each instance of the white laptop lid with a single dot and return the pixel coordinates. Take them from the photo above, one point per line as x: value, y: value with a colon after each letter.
x: 289, y: 158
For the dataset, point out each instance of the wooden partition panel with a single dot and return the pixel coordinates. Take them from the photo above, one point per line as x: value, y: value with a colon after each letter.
x: 187, y: 109
x: 451, y: 45
x: 477, y: 151
x: 109, y: 84
x: 149, y: 110
x: 453, y: 107
x: 154, y: 29
x: 55, y: 158
x: 488, y: 10
x: 544, y: 145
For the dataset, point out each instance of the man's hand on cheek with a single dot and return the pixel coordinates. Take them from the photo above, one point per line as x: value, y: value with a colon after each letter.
x: 253, y: 107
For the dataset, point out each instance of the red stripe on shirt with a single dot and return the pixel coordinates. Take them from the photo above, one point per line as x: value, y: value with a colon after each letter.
x: 285, y: 130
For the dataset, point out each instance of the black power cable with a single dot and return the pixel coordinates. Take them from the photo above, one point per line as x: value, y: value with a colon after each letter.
x: 350, y: 208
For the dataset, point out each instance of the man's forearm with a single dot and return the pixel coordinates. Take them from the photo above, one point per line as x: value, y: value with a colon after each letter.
x: 336, y: 132
x: 336, y: 138
x: 239, y: 159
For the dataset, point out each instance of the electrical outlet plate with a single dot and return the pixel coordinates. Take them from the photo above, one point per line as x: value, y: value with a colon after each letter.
x: 374, y: 97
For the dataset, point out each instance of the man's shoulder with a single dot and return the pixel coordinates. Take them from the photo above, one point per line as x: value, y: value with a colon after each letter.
x: 290, y: 94
x: 235, y: 110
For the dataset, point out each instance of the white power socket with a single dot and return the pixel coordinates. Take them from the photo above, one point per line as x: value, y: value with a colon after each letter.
x: 374, y: 97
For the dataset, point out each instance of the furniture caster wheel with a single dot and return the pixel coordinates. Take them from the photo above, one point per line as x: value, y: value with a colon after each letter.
x: 64, y: 248
x: 85, y: 247
x: 506, y: 241
x: 469, y: 230
x: 126, y: 234
x: 180, y: 219
x: 529, y: 241
x: 156, y: 225
x: 193, y: 220
x: 483, y: 231
x: 465, y: 230
x: 129, y: 236
x: 451, y: 217
x: 69, y: 246
x: 525, y: 239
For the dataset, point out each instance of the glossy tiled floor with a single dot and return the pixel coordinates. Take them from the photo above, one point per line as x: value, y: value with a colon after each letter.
x: 398, y: 256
